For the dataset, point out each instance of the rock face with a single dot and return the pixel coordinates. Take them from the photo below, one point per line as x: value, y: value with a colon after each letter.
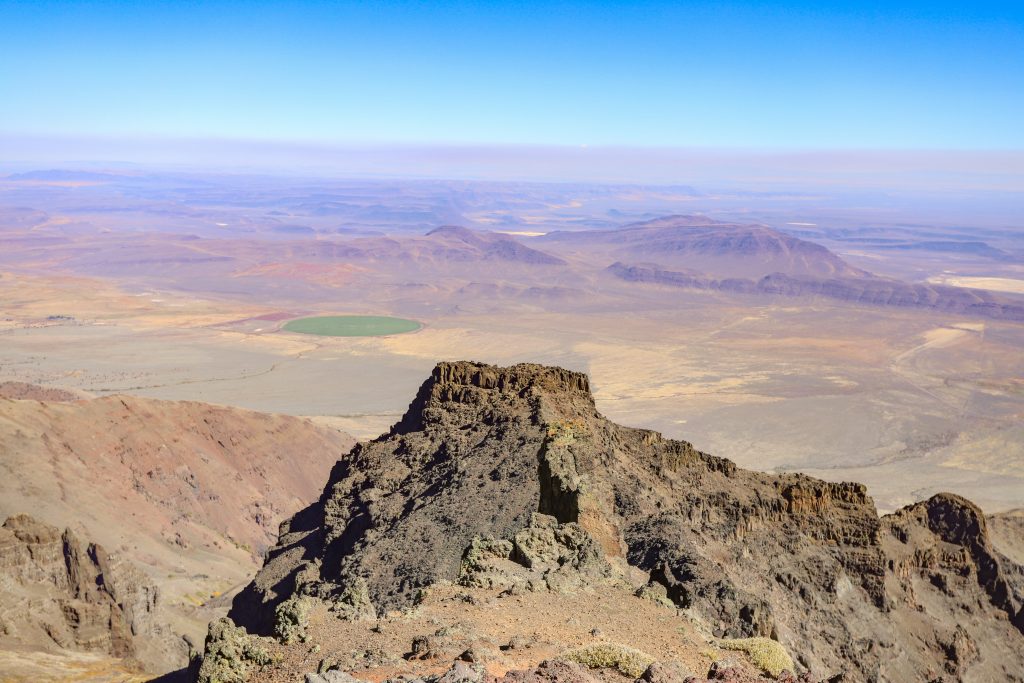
x: 482, y: 450
x: 190, y: 493
x: 58, y: 593
x: 153, y: 473
x: 943, y: 564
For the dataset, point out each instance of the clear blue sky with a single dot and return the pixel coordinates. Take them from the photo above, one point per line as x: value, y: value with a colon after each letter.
x: 935, y: 75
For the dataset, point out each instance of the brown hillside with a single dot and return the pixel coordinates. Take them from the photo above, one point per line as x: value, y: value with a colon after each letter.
x: 192, y: 493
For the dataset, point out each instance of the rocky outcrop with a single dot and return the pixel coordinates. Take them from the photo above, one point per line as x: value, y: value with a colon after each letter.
x: 453, y: 491
x: 941, y: 549
x: 230, y: 655
x: 58, y: 593
x: 545, y: 555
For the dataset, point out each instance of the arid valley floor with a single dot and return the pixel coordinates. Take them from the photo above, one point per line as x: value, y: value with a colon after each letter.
x: 180, y: 294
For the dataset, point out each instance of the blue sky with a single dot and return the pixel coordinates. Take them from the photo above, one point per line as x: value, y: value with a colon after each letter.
x: 794, y: 75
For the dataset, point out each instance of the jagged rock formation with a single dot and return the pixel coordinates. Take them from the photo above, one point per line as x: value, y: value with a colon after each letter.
x: 911, y: 596
x: 941, y: 563
x: 164, y: 462
x: 58, y: 593
x: 189, y: 492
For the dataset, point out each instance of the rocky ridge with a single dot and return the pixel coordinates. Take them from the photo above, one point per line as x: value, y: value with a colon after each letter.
x: 442, y: 246
x: 178, y: 500
x: 489, y: 462
x: 872, y: 291
x: 158, y: 468
x: 59, y: 593
x: 722, y: 248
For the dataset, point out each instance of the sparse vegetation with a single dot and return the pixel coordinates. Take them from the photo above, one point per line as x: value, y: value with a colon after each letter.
x: 626, y: 660
x: 765, y: 653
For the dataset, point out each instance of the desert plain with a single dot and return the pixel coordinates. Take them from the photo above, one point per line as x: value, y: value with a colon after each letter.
x: 183, y: 292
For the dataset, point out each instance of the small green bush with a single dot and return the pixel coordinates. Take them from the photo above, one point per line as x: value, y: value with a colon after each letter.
x: 626, y: 660
x: 765, y: 653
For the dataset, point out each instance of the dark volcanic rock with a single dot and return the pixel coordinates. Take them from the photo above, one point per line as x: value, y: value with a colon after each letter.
x: 482, y: 449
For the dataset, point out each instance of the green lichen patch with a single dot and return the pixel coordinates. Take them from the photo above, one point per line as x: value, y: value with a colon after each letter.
x: 626, y: 660
x: 765, y: 653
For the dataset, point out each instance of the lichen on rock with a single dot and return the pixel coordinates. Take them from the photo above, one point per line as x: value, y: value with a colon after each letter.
x: 765, y: 653
x: 353, y: 602
x: 626, y: 660
x: 231, y: 654
x: 292, y: 619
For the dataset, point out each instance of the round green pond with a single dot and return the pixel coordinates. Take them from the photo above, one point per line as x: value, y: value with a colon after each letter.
x: 351, y: 325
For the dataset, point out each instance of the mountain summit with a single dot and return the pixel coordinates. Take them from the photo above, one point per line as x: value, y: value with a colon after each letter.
x: 488, y: 459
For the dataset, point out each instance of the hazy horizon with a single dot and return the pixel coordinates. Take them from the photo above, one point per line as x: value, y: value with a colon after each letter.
x: 801, y: 96
x: 997, y: 171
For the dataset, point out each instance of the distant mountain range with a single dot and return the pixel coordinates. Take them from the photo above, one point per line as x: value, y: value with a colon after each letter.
x: 709, y: 246
x: 872, y: 291
x: 60, y: 175
x: 687, y: 252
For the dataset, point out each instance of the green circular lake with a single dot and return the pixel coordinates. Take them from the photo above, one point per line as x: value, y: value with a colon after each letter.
x: 351, y: 325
